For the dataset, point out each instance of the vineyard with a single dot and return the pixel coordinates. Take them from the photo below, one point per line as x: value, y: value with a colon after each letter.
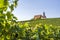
x: 41, y: 29
x: 11, y: 29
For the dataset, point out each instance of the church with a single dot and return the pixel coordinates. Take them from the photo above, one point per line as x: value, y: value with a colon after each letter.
x: 40, y: 16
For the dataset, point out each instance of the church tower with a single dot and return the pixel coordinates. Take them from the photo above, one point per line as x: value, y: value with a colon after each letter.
x: 44, y: 15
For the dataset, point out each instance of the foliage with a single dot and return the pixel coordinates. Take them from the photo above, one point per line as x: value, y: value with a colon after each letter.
x: 10, y: 29
x: 39, y: 31
x: 8, y: 26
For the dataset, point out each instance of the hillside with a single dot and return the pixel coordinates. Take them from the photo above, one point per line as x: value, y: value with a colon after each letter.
x: 41, y: 29
x: 48, y: 21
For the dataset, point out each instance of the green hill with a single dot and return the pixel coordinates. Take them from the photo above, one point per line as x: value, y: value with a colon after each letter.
x: 48, y: 21
x: 41, y: 29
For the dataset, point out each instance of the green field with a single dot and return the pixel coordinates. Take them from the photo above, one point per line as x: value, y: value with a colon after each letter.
x: 48, y: 21
x: 42, y: 29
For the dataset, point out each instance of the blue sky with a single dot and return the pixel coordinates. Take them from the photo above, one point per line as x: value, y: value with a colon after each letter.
x: 26, y: 9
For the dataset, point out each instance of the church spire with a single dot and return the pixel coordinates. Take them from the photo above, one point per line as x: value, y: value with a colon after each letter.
x: 44, y: 15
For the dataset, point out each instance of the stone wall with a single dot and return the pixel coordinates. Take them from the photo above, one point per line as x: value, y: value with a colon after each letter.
x: 37, y: 17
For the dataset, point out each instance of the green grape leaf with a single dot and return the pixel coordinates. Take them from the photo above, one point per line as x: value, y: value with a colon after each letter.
x: 1, y: 3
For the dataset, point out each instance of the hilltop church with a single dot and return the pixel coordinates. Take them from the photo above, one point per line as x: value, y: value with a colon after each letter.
x: 40, y: 16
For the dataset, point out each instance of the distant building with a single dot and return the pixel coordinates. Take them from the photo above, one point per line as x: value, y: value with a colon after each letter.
x: 40, y: 16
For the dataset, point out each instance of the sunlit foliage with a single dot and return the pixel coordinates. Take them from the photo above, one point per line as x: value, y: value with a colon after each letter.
x: 10, y: 29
